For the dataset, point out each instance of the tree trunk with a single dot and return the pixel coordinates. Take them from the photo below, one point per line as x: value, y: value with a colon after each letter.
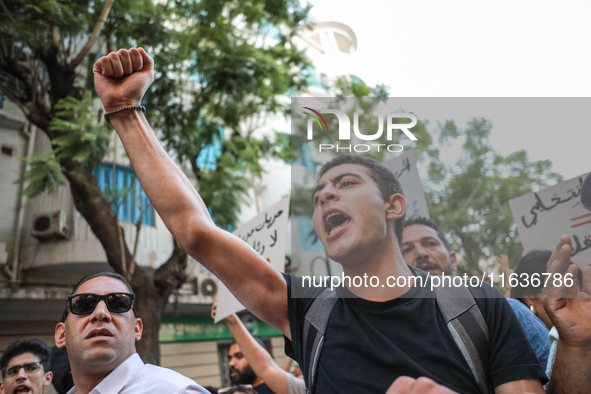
x: 151, y: 288
x: 150, y: 306
x: 152, y: 292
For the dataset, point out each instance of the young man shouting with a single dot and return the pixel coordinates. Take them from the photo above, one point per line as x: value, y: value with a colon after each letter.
x: 359, y: 221
x: 25, y: 367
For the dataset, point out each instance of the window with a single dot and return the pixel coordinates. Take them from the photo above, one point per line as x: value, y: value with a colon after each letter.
x: 130, y: 197
x: 210, y: 153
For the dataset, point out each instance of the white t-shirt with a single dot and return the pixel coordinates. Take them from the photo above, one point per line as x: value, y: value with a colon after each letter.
x: 295, y: 385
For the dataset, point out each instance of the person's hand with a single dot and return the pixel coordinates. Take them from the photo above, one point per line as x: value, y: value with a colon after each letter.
x: 229, y: 319
x: 568, y: 308
x: 504, y: 263
x: 121, y: 78
x: 422, y: 385
x: 213, y: 308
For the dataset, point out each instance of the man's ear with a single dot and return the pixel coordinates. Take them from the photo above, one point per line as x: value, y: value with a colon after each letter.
x: 48, y: 378
x: 454, y: 261
x: 2, y: 388
x: 395, y: 206
x: 139, y: 328
x: 60, y: 335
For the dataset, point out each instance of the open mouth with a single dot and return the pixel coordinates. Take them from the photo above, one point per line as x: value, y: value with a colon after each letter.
x: 22, y: 389
x: 336, y: 221
x: 101, y: 332
x: 428, y: 267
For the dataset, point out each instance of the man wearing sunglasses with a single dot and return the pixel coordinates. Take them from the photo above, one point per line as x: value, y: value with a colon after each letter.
x: 99, y: 327
x: 25, y: 367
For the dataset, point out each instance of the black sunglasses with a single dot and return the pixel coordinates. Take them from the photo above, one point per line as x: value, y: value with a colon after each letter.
x: 85, y: 303
x: 9, y: 372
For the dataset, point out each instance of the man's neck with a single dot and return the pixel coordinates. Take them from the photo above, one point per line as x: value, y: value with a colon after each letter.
x: 386, y: 266
x: 85, y: 381
x: 258, y: 382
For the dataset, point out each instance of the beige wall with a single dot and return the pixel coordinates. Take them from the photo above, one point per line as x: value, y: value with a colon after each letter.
x: 196, y: 360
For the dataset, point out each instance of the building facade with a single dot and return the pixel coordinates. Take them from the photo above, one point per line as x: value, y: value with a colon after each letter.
x: 46, y: 246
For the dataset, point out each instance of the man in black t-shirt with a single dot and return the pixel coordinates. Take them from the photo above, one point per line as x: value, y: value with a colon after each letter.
x: 358, y: 216
x: 385, y: 332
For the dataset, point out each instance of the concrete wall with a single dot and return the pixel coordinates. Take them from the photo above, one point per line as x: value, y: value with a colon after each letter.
x: 196, y: 360
x: 13, y: 142
x: 54, y: 259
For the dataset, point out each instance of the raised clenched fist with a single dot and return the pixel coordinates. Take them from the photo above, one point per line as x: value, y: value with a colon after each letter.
x: 121, y: 78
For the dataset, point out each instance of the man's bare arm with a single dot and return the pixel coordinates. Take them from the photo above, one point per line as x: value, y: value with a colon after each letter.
x: 259, y: 359
x: 121, y: 79
x: 525, y: 386
x: 570, y: 311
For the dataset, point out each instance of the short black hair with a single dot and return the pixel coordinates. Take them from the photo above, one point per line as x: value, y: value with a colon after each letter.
x: 426, y: 222
x: 383, y: 177
x: 35, y: 346
x: 535, y: 262
x: 97, y: 275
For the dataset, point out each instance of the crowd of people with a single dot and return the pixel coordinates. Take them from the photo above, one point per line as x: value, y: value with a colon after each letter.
x: 378, y: 339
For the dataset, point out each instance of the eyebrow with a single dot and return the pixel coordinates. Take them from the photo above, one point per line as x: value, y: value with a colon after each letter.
x: 422, y: 239
x: 336, y: 179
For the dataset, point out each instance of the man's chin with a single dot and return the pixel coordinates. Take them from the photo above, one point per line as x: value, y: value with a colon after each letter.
x: 101, y: 357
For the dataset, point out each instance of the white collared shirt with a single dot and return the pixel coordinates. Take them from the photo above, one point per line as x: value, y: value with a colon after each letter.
x: 133, y: 376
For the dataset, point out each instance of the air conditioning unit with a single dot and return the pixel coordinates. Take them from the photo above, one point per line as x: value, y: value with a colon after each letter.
x: 209, y: 288
x: 48, y: 226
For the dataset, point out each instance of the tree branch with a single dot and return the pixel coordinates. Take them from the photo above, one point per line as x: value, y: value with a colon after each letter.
x: 138, y: 227
x: 98, y: 212
x: 13, y: 21
x: 95, y: 33
x: 123, y: 249
x: 54, y: 36
x: 171, y: 275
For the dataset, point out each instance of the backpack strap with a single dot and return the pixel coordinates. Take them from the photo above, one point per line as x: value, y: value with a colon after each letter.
x: 458, y: 307
x: 468, y: 329
x: 315, y: 324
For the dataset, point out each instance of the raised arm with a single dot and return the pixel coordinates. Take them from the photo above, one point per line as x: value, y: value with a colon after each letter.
x: 259, y: 359
x: 121, y: 79
x: 570, y: 311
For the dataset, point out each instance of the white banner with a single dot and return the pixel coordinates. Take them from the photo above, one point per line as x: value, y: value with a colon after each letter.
x: 266, y: 234
x: 543, y: 217
x: 405, y: 169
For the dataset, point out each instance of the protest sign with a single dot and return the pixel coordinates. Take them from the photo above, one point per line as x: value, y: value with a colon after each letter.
x: 405, y: 169
x: 266, y: 234
x: 543, y: 217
